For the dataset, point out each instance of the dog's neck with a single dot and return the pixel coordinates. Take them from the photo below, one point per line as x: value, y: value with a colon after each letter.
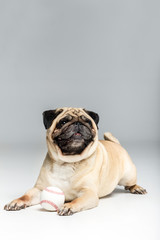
x: 56, y: 154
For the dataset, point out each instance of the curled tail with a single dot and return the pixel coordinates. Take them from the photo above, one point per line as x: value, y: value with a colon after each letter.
x: 109, y: 137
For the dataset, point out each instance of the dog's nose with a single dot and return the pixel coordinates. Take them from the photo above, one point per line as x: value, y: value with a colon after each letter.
x: 78, y: 125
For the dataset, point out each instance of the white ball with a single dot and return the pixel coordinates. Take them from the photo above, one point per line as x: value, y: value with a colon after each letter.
x: 52, y: 198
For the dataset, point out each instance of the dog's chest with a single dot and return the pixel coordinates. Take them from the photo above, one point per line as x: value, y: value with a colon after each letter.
x: 62, y: 177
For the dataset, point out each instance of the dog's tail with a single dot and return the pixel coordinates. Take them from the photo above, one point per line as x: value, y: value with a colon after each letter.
x: 109, y: 137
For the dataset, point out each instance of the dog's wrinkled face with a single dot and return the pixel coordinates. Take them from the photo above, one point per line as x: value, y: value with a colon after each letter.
x: 74, y: 131
x: 74, y: 134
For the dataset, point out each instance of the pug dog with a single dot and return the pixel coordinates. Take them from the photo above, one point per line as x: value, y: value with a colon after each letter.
x: 82, y: 166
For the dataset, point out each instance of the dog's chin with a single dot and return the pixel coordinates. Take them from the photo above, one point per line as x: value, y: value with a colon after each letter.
x: 76, y: 144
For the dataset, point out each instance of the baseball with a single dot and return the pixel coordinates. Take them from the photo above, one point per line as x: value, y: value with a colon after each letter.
x: 52, y: 198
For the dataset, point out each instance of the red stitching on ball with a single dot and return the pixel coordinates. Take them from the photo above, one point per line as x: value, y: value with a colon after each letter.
x: 51, y: 191
x: 49, y: 202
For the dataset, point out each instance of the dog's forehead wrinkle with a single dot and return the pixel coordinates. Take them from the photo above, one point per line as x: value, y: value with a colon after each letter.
x: 74, y: 111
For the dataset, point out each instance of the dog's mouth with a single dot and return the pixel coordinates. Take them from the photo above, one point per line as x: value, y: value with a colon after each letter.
x: 74, y: 138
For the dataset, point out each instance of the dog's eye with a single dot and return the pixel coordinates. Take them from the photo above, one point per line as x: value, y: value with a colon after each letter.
x: 86, y: 120
x: 63, y: 122
x: 89, y: 122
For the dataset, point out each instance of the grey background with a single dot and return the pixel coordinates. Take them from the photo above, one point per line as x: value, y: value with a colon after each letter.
x: 101, y: 55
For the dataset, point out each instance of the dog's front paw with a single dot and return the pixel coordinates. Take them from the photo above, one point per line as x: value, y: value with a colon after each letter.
x: 65, y: 210
x: 17, y: 204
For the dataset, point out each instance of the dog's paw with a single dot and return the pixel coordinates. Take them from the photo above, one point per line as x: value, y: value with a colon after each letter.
x: 136, y: 189
x: 65, y: 210
x: 15, y: 205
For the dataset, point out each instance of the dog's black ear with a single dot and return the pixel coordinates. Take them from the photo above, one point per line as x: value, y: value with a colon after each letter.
x: 93, y: 115
x: 49, y: 116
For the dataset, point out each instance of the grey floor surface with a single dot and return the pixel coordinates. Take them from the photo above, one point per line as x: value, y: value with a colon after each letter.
x: 120, y: 215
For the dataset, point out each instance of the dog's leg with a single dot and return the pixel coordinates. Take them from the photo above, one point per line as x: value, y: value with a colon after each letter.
x: 87, y: 200
x: 129, y: 180
x: 135, y: 189
x: 31, y: 197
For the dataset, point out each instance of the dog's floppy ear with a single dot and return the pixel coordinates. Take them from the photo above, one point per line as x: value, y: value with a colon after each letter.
x: 49, y: 116
x: 93, y: 115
